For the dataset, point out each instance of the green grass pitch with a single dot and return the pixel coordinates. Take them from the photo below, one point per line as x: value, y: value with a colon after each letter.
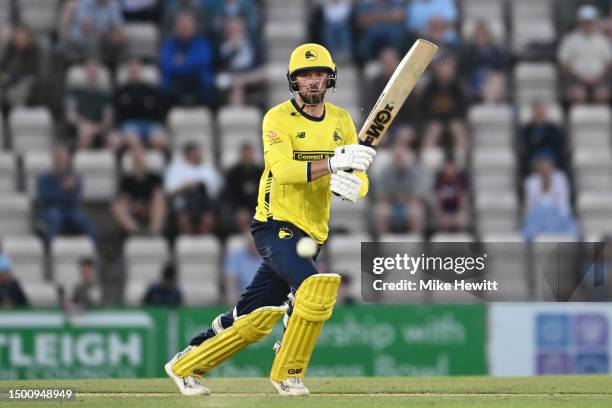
x: 453, y: 392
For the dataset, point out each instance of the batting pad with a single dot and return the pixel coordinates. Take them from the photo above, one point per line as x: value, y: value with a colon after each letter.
x: 314, y: 303
x: 246, y: 330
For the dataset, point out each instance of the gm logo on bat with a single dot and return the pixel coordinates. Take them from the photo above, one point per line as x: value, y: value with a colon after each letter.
x: 377, y: 128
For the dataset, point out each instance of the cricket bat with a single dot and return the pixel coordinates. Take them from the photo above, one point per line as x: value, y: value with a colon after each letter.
x: 396, y: 91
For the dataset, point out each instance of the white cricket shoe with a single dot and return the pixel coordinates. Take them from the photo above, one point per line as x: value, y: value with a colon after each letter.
x: 293, y: 386
x: 190, y: 385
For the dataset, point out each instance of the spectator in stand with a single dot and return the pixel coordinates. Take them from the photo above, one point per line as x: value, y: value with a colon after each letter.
x: 164, y: 293
x: 141, y: 10
x: 336, y: 31
x: 140, y: 206
x: 220, y: 10
x: 187, y: 65
x: 140, y: 111
x: 241, y: 191
x: 19, y: 70
x: 547, y: 201
x: 380, y: 23
x: 87, y: 293
x: 11, y: 293
x: 89, y: 107
x: 241, y: 78
x: 193, y: 186
x: 59, y: 195
x: 388, y: 60
x: 586, y: 59
x: 240, y: 266
x: 93, y: 28
x: 444, y: 102
x: 566, y: 11
x: 400, y: 192
x: 451, y: 201
x: 174, y: 8
x: 481, y: 57
x: 540, y: 135
x: 421, y: 15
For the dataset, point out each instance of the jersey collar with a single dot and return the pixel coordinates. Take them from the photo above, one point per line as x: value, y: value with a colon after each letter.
x: 307, y: 116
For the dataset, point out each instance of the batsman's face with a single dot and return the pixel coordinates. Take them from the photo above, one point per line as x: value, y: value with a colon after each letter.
x: 312, y: 86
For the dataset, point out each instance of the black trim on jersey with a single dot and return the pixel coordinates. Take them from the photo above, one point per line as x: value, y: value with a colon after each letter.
x: 308, y: 175
x: 307, y: 116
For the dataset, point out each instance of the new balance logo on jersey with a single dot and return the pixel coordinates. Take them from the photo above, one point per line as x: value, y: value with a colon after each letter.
x: 300, y: 135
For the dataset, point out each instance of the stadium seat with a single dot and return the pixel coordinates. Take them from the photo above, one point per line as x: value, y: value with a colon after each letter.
x: 8, y: 172
x: 77, y: 78
x: 198, y: 261
x: 345, y: 258
x: 452, y: 237
x: 35, y: 163
x: 66, y: 253
x: 154, y: 161
x: 348, y: 217
x: 497, y: 211
x: 134, y: 292
x: 40, y: 16
x: 590, y: 126
x: 31, y: 128
x: 150, y: 74
x: 239, y: 125
x: 191, y: 124
x: 15, y: 218
x: 407, y: 237
x: 97, y: 170
x: 491, y: 11
x: 491, y: 125
x: 493, y: 182
x: 532, y: 24
x: 142, y: 40
x: 535, y: 82
x: 501, y: 237
x: 26, y: 253
x: 41, y: 294
x: 144, y: 258
x: 493, y: 162
x: 594, y: 209
x: 592, y: 170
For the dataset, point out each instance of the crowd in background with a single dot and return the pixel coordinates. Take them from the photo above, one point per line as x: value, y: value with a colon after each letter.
x: 212, y: 53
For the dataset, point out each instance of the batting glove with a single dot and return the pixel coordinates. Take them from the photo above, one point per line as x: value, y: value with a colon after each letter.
x: 355, y: 156
x: 346, y: 185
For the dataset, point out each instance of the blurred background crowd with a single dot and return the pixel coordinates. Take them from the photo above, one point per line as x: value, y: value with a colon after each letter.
x: 131, y: 150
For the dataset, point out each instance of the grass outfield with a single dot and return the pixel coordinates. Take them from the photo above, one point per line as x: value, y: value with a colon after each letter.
x: 454, y: 392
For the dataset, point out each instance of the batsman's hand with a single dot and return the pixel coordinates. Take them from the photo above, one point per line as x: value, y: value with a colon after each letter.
x: 346, y: 185
x: 355, y: 157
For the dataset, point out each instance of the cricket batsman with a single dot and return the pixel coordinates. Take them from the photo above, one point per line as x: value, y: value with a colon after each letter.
x: 310, y: 152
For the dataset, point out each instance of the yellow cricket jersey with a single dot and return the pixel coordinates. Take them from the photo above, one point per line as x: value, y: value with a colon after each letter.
x: 292, y: 139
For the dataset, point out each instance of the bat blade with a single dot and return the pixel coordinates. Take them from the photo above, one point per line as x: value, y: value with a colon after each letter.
x: 401, y: 84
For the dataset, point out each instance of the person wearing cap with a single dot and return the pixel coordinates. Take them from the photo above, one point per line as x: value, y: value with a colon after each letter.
x: 11, y: 294
x: 310, y: 151
x: 585, y: 56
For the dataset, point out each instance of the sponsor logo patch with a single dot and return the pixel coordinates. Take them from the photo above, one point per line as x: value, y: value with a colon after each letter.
x: 285, y: 233
x: 310, y: 55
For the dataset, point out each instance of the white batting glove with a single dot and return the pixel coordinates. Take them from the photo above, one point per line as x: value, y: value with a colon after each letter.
x: 346, y: 185
x: 355, y: 156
